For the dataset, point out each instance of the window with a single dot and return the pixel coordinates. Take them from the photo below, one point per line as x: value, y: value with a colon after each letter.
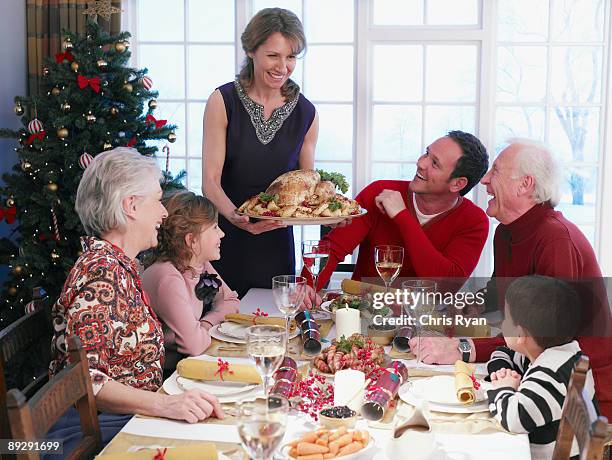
x: 390, y: 76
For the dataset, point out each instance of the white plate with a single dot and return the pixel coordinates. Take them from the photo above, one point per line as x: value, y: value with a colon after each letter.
x: 439, y: 391
x: 364, y: 453
x: 216, y: 333
x: 172, y: 387
x: 215, y: 388
x: 305, y: 221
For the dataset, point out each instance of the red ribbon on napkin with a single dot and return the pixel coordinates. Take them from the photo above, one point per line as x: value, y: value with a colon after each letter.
x: 93, y: 82
x: 160, y: 455
x: 257, y: 314
x: 223, y: 366
x: 475, y: 382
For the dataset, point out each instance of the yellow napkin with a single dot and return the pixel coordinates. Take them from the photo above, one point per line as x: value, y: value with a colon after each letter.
x: 247, y: 320
x: 463, y: 383
x: 359, y: 288
x: 198, y: 369
x: 199, y: 451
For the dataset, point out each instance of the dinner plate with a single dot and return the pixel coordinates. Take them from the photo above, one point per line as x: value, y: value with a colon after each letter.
x: 236, y: 337
x: 173, y: 386
x: 305, y: 221
x: 364, y: 453
x: 439, y: 391
x: 215, y: 388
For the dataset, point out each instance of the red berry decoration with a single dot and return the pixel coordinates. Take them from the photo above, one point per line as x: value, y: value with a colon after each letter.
x: 84, y: 160
x: 35, y: 126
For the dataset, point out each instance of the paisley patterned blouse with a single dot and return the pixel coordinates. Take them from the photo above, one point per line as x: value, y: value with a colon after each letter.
x: 103, y: 303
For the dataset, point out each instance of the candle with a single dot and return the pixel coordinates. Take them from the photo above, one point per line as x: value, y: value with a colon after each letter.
x: 347, y: 322
x: 348, y: 388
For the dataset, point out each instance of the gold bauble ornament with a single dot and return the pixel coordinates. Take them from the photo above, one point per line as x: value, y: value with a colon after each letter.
x: 172, y: 137
x: 90, y: 118
x: 62, y: 133
x: 67, y: 44
x: 10, y: 202
x: 128, y: 87
x: 107, y: 146
x: 54, y: 255
x: 120, y: 47
x: 18, y: 109
x: 114, y: 110
x: 152, y: 104
x: 52, y: 187
x: 55, y: 91
x: 65, y: 107
x: 17, y: 269
x: 26, y: 165
x: 12, y: 290
x: 102, y: 64
x: 75, y: 66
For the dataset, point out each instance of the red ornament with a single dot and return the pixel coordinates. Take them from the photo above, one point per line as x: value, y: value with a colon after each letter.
x: 30, y: 307
x: 8, y: 214
x: 93, y: 82
x: 35, y: 126
x: 158, y: 123
x: 84, y: 160
x: 60, y: 57
x: 146, y: 82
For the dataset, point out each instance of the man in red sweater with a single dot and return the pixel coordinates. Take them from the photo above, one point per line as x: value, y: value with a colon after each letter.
x: 533, y: 238
x: 442, y: 232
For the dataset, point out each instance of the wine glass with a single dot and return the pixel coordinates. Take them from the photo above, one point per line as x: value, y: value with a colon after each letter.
x: 315, y: 254
x: 266, y: 345
x: 388, y: 261
x: 421, y: 293
x: 288, y: 292
x: 261, y: 425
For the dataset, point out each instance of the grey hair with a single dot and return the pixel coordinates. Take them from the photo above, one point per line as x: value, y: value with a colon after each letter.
x: 535, y: 159
x: 109, y: 178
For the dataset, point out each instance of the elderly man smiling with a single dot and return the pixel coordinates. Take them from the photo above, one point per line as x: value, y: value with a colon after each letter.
x: 534, y: 238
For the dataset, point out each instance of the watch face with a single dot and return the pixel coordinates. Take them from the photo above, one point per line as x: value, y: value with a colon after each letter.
x: 464, y: 346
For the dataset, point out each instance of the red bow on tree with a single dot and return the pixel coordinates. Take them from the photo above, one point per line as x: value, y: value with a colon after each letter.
x: 132, y: 142
x: 94, y: 83
x: 59, y: 57
x: 161, y: 454
x: 8, y: 214
x: 158, y: 123
x: 40, y: 136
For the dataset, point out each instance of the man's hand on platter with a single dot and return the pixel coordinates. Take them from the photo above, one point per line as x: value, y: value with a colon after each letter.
x: 390, y: 202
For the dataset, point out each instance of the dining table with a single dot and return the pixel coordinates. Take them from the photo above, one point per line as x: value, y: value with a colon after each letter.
x: 456, y: 436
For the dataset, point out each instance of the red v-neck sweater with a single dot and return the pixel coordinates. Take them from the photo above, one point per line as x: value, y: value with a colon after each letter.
x: 544, y: 242
x: 449, y: 245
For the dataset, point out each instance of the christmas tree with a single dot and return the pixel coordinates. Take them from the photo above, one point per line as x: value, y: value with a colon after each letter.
x: 90, y: 102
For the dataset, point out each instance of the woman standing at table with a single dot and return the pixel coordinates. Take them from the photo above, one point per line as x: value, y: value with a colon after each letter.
x: 184, y: 288
x: 255, y: 129
x: 103, y: 303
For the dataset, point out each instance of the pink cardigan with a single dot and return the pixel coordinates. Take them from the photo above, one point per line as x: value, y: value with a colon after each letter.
x: 173, y: 299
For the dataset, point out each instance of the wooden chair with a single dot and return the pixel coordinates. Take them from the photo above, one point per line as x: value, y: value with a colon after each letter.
x: 579, y: 419
x: 18, y: 338
x: 31, y: 419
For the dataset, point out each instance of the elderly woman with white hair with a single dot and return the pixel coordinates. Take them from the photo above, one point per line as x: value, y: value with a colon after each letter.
x: 103, y: 303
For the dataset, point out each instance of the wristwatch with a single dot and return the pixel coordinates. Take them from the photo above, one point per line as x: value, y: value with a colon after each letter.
x: 465, y: 348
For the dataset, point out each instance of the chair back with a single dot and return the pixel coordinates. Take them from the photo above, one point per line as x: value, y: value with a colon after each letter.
x: 31, y: 419
x: 17, y: 339
x: 579, y: 419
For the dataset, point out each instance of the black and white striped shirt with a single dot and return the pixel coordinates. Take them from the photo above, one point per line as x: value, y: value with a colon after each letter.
x: 535, y: 407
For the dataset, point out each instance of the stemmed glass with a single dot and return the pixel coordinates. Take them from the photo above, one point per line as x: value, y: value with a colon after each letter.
x: 261, y: 425
x: 267, y: 346
x: 315, y: 254
x: 421, y: 292
x: 288, y: 292
x: 388, y: 261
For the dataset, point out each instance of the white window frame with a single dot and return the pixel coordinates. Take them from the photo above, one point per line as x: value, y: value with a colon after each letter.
x: 484, y: 35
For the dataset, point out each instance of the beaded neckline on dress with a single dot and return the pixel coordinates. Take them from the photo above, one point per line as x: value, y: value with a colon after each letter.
x: 265, y: 129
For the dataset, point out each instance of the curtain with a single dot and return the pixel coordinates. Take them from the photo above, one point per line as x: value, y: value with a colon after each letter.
x: 45, y: 21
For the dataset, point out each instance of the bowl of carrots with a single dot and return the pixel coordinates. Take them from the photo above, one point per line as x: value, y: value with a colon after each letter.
x: 328, y: 444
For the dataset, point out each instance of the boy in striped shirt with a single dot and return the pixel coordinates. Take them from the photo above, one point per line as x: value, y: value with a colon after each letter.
x: 531, y: 375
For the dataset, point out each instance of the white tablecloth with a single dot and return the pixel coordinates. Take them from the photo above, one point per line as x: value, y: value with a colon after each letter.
x: 454, y: 446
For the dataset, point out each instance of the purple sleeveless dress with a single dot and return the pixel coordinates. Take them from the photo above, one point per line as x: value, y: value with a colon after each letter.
x: 257, y: 152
